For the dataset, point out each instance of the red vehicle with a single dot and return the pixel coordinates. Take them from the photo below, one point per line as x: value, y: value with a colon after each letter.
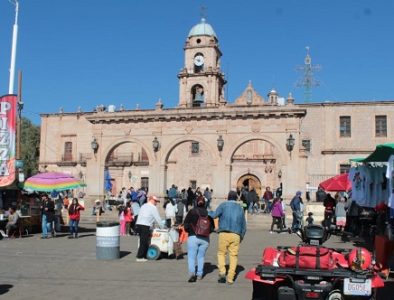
x: 311, y: 271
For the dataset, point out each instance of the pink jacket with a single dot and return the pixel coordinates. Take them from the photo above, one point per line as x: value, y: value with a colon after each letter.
x: 277, y: 210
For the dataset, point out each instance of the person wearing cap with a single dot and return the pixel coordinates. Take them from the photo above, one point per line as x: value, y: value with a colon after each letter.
x: 147, y: 216
x: 232, y: 229
x: 296, y: 205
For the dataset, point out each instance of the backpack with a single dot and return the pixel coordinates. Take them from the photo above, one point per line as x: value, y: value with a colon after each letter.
x: 203, y: 226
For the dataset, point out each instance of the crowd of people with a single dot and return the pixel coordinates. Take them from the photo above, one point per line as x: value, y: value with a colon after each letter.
x: 188, y: 208
x: 197, y: 220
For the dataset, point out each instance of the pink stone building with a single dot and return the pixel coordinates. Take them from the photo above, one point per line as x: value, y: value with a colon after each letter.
x: 209, y: 141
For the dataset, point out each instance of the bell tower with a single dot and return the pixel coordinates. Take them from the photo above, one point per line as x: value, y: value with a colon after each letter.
x: 201, y: 81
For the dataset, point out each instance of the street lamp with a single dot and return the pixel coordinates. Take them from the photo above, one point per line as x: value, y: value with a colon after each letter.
x: 94, y: 145
x: 155, y: 144
x: 220, y: 143
x: 280, y: 174
x: 290, y: 141
x: 129, y: 175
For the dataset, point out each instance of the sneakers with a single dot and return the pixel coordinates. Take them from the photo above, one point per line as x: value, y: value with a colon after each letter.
x: 199, y: 277
x: 271, y: 232
x: 192, y: 278
x: 141, y: 260
x: 222, y: 279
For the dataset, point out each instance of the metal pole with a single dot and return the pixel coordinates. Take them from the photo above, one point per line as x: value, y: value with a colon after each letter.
x: 19, y: 117
x: 13, y: 49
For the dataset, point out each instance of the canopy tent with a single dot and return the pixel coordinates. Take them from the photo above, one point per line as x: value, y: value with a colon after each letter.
x: 381, y: 154
x: 338, y: 183
x: 51, y: 181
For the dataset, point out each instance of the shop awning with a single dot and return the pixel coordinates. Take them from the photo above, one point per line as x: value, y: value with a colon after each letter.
x: 382, y: 153
x: 357, y: 159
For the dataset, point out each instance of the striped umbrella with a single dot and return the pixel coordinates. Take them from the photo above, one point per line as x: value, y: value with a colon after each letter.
x: 51, y: 181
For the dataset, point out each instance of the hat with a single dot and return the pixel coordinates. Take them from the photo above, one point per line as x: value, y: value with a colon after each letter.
x: 298, y: 193
x: 232, y: 195
x: 154, y: 198
x: 97, y: 201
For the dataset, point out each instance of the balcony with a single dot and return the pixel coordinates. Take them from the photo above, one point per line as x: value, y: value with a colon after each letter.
x: 119, y: 161
x: 67, y: 161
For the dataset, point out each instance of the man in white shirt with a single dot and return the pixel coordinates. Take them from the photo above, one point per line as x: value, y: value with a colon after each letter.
x: 146, y: 217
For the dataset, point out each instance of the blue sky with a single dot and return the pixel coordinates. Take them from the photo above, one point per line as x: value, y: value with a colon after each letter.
x: 90, y: 52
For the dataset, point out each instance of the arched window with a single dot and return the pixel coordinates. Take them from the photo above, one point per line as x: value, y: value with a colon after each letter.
x: 198, y: 95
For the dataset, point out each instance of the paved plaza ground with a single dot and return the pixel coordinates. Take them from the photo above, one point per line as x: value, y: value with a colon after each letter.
x: 62, y: 268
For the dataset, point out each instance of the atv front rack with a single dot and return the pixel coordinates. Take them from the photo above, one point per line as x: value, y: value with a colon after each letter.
x: 269, y: 272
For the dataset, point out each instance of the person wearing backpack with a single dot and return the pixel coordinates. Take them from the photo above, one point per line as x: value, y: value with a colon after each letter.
x: 198, y: 225
x: 232, y: 229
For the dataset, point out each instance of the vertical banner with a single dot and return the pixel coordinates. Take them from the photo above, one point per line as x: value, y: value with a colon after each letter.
x: 7, y: 139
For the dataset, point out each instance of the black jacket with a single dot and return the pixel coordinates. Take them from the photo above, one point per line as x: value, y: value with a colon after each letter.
x: 192, y: 217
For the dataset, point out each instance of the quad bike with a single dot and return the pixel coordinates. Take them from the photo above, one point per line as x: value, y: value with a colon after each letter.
x: 311, y: 271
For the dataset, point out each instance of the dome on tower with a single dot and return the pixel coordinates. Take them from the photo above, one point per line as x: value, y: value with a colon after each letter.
x: 202, y: 28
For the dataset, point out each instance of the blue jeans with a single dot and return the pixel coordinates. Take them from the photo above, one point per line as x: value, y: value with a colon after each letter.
x: 45, y: 226
x: 196, y: 249
x: 73, y: 224
x: 297, y: 220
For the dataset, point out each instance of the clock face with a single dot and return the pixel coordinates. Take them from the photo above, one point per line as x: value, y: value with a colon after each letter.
x: 199, y: 60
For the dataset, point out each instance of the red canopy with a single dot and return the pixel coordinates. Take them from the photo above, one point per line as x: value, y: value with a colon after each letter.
x: 338, y: 183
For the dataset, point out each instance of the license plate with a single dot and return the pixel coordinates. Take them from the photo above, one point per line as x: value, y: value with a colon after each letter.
x: 356, y: 288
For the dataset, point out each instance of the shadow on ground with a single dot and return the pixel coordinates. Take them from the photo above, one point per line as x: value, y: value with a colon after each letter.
x: 5, y: 288
x: 124, y: 253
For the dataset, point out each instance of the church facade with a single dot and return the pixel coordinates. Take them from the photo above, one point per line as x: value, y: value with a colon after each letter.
x: 207, y: 141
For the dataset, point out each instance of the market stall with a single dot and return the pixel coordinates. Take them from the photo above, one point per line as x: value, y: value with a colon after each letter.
x: 373, y: 186
x: 48, y: 182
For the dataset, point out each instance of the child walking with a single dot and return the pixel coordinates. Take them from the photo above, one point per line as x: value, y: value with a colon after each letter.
x: 122, y: 221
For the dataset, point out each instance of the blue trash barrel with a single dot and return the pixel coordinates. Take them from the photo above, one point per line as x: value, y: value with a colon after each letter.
x: 107, y: 240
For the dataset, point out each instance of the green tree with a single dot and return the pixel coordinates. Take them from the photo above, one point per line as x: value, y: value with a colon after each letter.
x: 30, y: 146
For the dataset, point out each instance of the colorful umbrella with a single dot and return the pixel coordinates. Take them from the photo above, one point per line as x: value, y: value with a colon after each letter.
x: 51, y: 181
x: 338, y: 183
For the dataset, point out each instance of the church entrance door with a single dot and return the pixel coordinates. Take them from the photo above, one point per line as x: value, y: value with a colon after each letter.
x: 249, y: 181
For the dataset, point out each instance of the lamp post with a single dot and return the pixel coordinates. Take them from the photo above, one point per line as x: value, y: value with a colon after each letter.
x: 94, y: 145
x: 290, y: 141
x: 155, y: 144
x: 129, y: 175
x: 220, y: 143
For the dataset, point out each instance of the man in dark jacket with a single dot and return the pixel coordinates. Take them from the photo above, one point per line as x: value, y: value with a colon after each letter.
x: 296, y: 205
x: 251, y: 199
x: 47, y: 215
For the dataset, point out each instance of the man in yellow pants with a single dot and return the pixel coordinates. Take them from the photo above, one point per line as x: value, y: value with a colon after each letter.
x: 232, y: 228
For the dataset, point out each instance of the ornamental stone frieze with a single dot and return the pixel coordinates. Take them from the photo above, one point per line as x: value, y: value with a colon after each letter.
x: 168, y: 115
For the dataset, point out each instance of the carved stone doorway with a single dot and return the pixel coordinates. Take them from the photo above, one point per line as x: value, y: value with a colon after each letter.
x: 249, y: 181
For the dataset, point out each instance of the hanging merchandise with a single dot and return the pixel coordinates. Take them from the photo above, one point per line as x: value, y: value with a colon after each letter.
x: 390, y: 177
x: 369, y: 185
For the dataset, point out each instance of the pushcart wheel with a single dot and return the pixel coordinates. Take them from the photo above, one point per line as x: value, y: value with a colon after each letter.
x: 153, y: 252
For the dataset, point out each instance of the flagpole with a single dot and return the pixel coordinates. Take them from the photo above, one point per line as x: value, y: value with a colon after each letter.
x: 13, y: 49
